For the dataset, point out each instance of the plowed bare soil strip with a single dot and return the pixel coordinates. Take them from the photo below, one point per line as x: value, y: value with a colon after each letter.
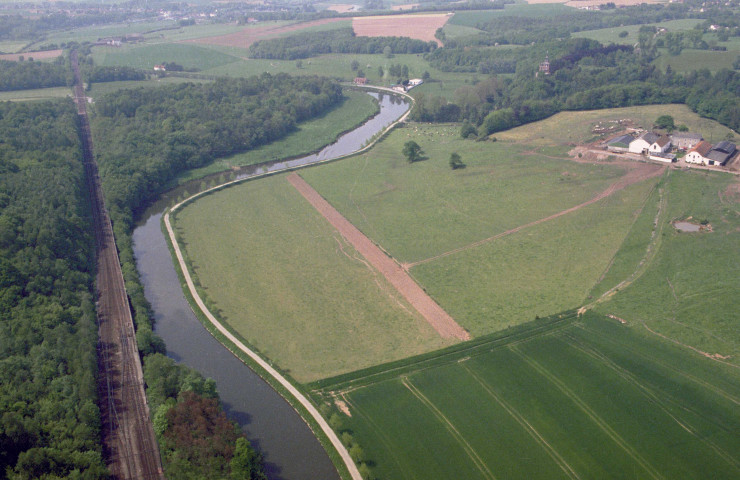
x: 637, y: 174
x: 249, y: 35
x: 420, y: 27
x: 440, y: 320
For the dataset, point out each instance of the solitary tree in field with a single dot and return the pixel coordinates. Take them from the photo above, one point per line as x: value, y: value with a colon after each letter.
x: 666, y: 122
x: 387, y: 51
x: 455, y: 161
x: 355, y: 65
x: 412, y: 151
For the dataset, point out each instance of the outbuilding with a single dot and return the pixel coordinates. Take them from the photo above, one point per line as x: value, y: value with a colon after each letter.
x: 685, y: 140
x: 620, y: 144
x: 642, y: 143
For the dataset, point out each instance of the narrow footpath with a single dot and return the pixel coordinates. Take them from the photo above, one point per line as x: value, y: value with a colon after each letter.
x: 129, y: 444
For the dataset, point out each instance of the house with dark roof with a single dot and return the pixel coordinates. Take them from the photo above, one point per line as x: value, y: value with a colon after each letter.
x: 642, y: 143
x: 620, y: 144
x: 661, y: 145
x: 721, y: 153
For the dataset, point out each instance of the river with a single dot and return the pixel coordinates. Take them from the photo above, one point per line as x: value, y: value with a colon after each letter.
x: 290, y: 449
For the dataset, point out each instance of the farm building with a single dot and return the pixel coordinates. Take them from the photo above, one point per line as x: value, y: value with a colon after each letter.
x: 360, y: 80
x: 662, y: 157
x: 661, y: 145
x: 699, y: 153
x: 642, y: 143
x: 721, y: 153
x: 685, y: 140
x: 415, y: 82
x: 159, y: 68
x: 620, y: 144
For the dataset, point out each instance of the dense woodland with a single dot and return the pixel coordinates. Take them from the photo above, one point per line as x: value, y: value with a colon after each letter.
x: 29, y: 74
x: 50, y: 422
x: 311, y: 44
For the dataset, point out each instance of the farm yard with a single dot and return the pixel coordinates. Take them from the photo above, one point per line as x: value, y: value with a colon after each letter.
x: 563, y: 397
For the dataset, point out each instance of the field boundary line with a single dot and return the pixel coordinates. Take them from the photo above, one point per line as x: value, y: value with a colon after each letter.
x: 435, y: 315
x: 603, y: 425
x: 381, y: 434
x: 479, y: 463
x: 654, y: 397
x: 620, y: 184
x: 522, y: 421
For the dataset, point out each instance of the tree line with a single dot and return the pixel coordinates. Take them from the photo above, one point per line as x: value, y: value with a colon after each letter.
x: 343, y: 40
x: 50, y: 422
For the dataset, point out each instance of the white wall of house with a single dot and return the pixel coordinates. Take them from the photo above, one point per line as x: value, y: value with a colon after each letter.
x: 657, y: 148
x: 694, y: 157
x: 639, y: 145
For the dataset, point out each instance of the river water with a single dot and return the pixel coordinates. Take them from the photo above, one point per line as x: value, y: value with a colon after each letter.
x: 290, y: 449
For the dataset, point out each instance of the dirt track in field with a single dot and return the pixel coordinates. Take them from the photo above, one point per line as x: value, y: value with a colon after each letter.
x: 637, y: 173
x: 249, y: 35
x: 440, y: 320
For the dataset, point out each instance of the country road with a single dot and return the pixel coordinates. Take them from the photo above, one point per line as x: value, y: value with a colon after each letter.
x: 130, y: 447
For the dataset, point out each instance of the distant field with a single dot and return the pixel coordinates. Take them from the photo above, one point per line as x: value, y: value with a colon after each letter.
x: 690, y: 288
x: 42, y: 55
x: 472, y: 18
x: 563, y: 398
x: 310, y: 136
x: 611, y: 35
x: 146, y: 56
x: 690, y: 60
x: 417, y: 26
x: 11, y: 46
x: 36, y: 94
x: 91, y: 34
x: 282, y: 278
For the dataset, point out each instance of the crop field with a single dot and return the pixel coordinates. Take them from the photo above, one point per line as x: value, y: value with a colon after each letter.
x: 560, y: 398
x: 420, y: 27
x: 309, y: 137
x: 472, y: 18
x: 38, y: 56
x: 689, y: 289
x: 284, y: 280
x: 93, y: 33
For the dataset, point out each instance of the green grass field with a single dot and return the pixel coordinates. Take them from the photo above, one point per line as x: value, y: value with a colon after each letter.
x: 425, y: 209
x: 301, y: 295
x: 690, y: 60
x: 309, y: 137
x: 472, y: 18
x: 689, y: 289
x: 570, y: 398
x: 145, y: 57
x: 35, y: 94
x: 611, y: 35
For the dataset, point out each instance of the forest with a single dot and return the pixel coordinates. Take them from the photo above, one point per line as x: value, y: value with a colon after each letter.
x: 29, y: 74
x: 50, y: 423
x: 583, y: 75
x: 311, y: 44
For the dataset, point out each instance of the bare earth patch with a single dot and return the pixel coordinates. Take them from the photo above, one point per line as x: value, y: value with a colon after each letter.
x: 440, y: 320
x: 42, y: 55
x: 420, y: 27
x: 249, y: 35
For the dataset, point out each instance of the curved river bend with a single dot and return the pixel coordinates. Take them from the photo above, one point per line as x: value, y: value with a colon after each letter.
x: 290, y: 449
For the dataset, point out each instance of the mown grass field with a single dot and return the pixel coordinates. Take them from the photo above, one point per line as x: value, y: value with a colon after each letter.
x: 284, y: 280
x: 472, y: 18
x: 146, y: 56
x: 309, y: 137
x: 416, y: 211
x: 689, y: 289
x: 611, y: 35
x: 565, y: 398
x: 690, y: 60
x: 35, y: 94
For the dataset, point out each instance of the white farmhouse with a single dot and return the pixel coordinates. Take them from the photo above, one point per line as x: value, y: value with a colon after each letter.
x: 698, y: 154
x: 642, y: 143
x: 661, y: 145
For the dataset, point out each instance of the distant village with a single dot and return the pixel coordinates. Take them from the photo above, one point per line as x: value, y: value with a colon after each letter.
x: 666, y: 148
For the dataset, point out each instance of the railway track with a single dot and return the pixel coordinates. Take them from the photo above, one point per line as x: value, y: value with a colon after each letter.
x: 128, y: 437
